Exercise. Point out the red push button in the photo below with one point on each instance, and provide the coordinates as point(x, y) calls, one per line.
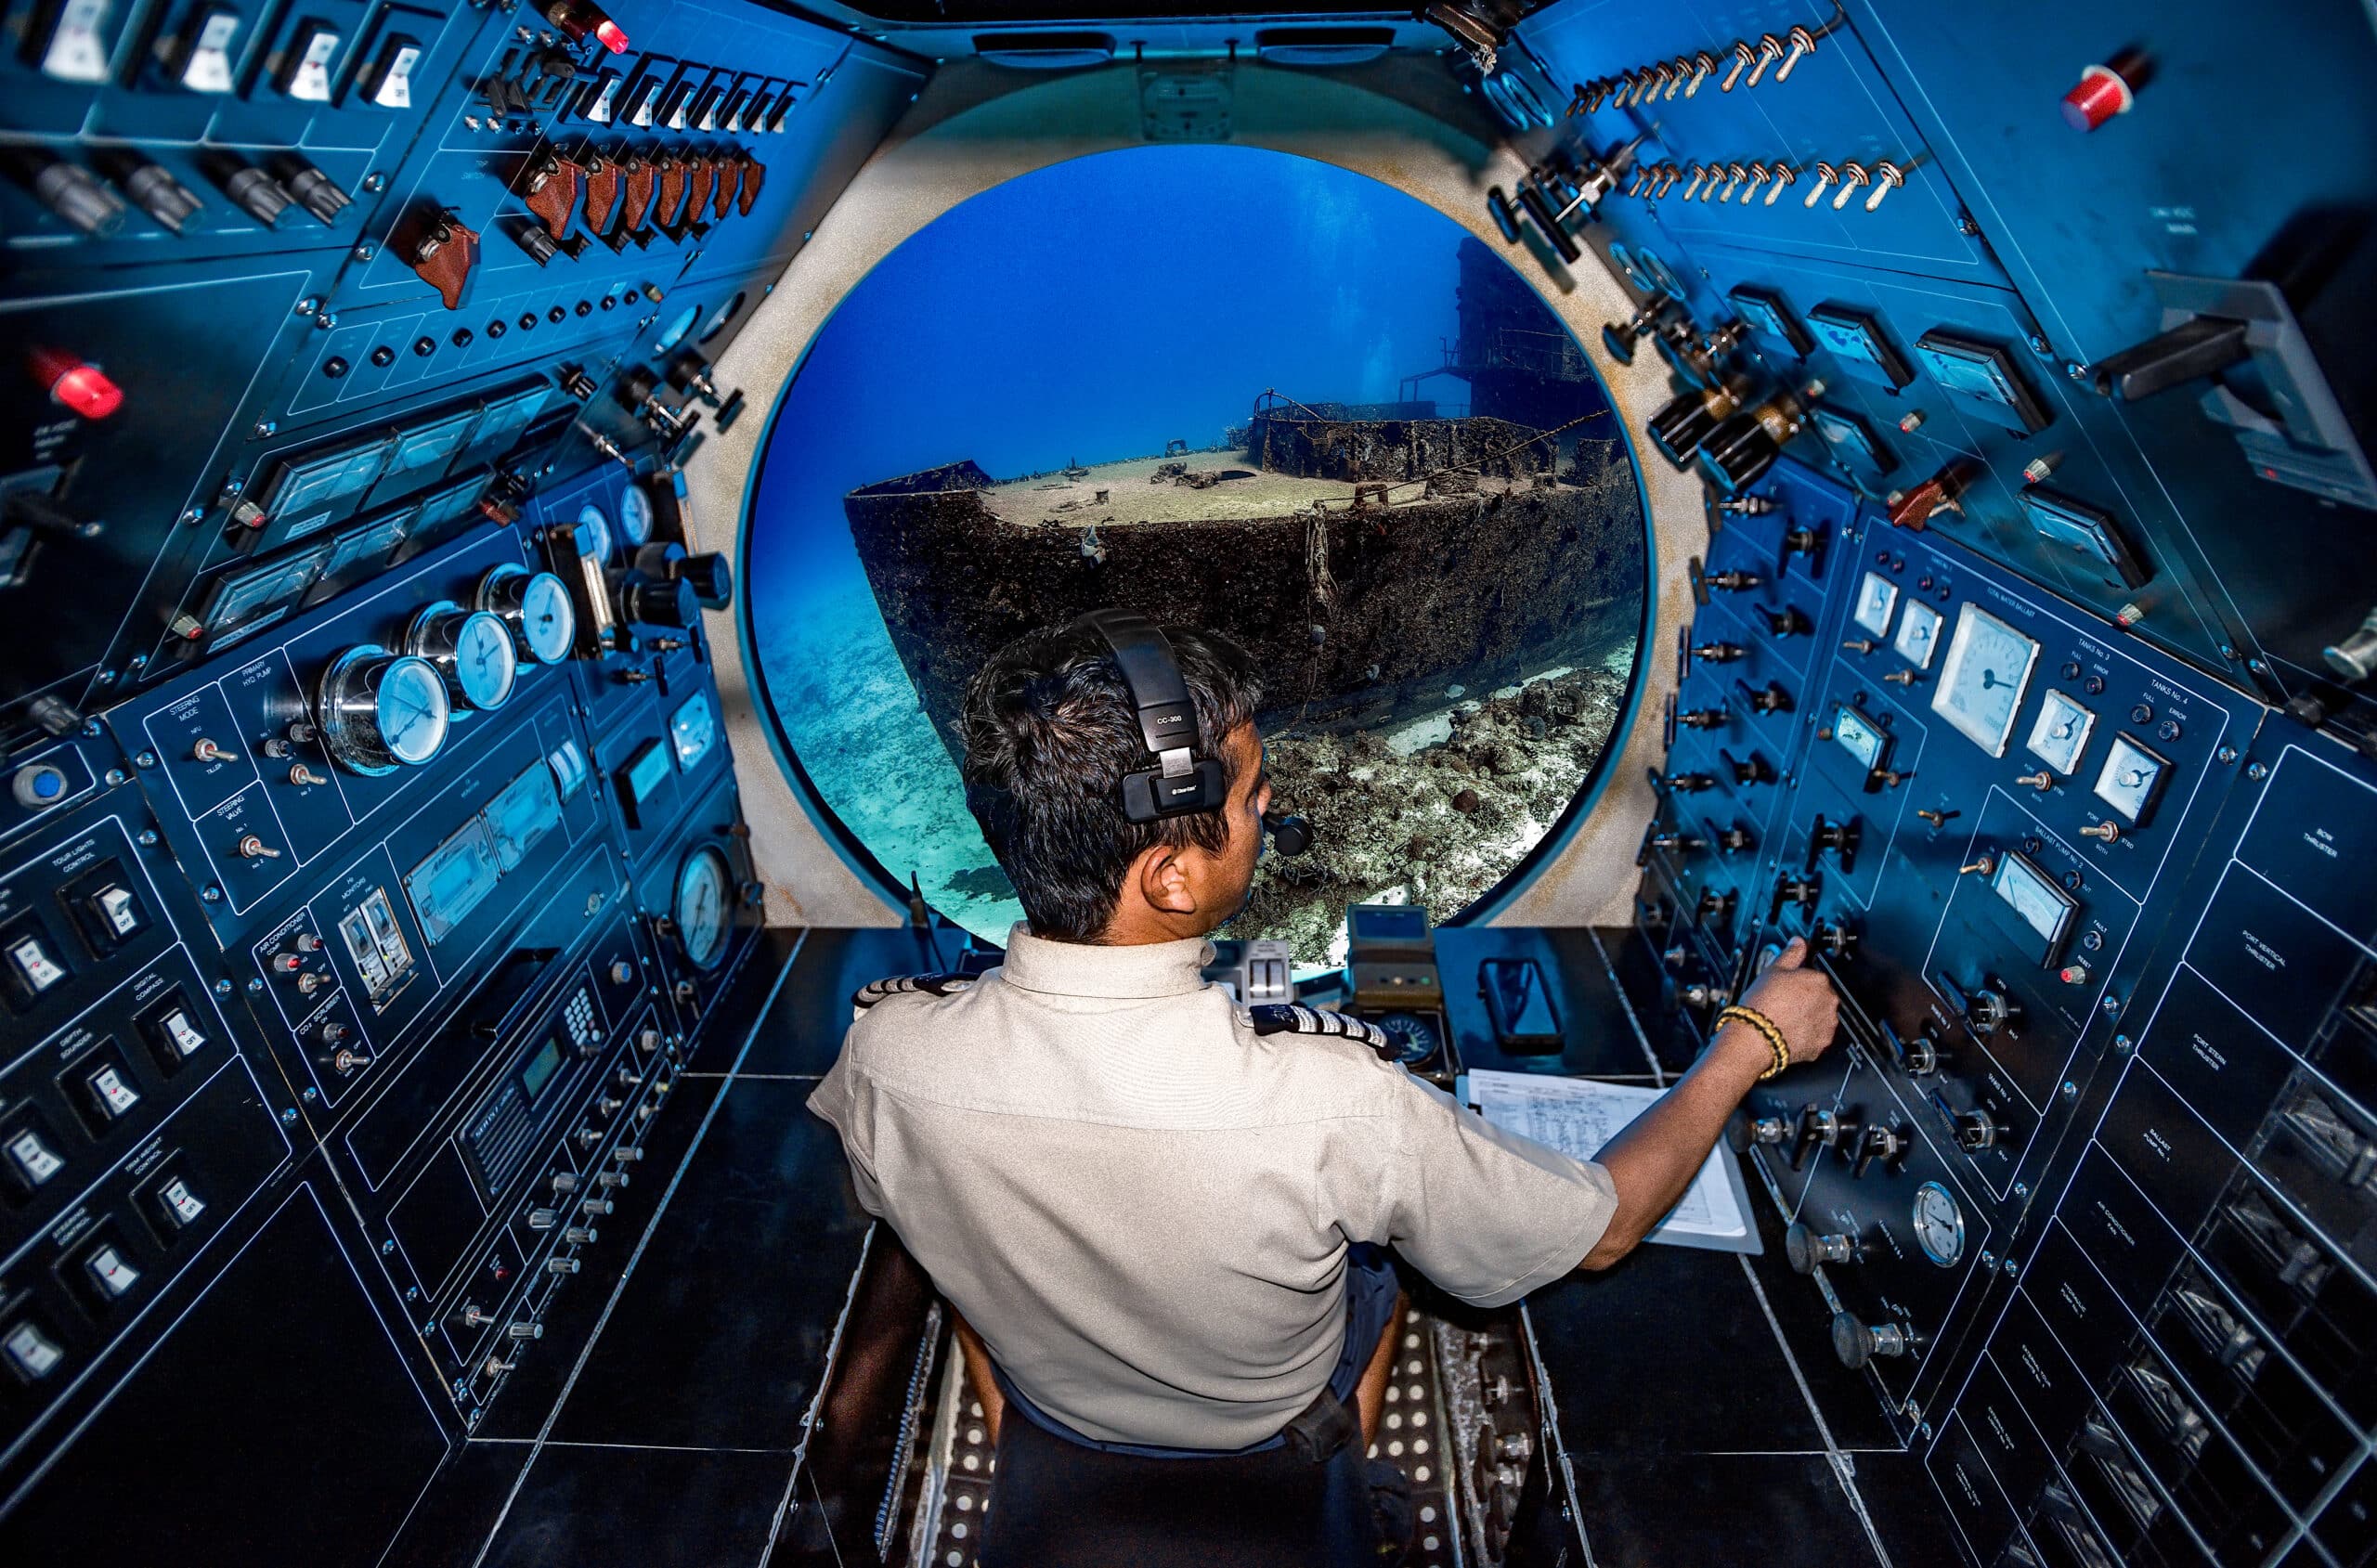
point(71, 382)
point(2104, 91)
point(614, 36)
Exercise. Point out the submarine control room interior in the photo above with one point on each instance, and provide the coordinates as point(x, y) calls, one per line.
point(1865, 503)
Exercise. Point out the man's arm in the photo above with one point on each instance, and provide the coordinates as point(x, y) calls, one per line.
point(1654, 1158)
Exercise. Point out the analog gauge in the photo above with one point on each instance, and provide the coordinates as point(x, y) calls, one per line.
point(2036, 902)
point(2061, 733)
point(472, 649)
point(381, 710)
point(1918, 634)
point(2131, 780)
point(1938, 1224)
point(1858, 736)
point(1982, 680)
point(1410, 1038)
point(700, 908)
point(1877, 597)
point(635, 516)
point(594, 536)
point(535, 606)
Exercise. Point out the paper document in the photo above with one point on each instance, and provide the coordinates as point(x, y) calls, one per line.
point(1577, 1116)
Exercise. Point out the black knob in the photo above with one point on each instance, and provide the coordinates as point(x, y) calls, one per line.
point(315, 192)
point(650, 601)
point(1885, 1143)
point(1805, 1249)
point(1619, 337)
point(1820, 1127)
point(712, 579)
point(1787, 621)
point(1855, 1343)
point(157, 193)
point(1989, 1011)
point(254, 193)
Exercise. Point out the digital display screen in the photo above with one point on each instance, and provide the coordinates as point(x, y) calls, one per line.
point(1981, 683)
point(541, 1069)
point(2043, 907)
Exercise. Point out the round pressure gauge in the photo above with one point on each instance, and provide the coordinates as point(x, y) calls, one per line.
point(535, 606)
point(636, 515)
point(383, 710)
point(591, 518)
point(472, 649)
point(1938, 1224)
point(701, 907)
point(1410, 1038)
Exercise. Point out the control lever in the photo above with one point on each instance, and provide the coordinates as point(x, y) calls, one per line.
point(1802, 893)
point(1834, 939)
point(1805, 1249)
point(1821, 1127)
point(1717, 653)
point(2200, 347)
point(1702, 718)
point(1689, 784)
point(1886, 1142)
point(1714, 905)
point(1839, 839)
point(1788, 621)
point(1754, 772)
point(1745, 1131)
point(1736, 838)
point(1918, 1058)
point(1769, 699)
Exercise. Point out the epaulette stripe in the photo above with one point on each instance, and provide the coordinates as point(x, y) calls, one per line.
point(874, 992)
point(1283, 1017)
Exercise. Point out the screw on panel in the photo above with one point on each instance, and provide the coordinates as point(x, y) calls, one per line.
point(116, 776)
point(211, 893)
point(326, 320)
point(1988, 1262)
point(2041, 347)
point(137, 662)
point(146, 759)
point(2022, 1190)
point(264, 429)
point(2255, 771)
point(311, 1094)
point(2123, 1045)
point(2070, 1090)
point(254, 987)
point(194, 516)
point(388, 1246)
point(413, 1292)
point(375, 183)
point(2226, 755)
point(2074, 370)
point(2112, 1006)
point(221, 988)
point(2010, 1270)
point(307, 305)
point(288, 1116)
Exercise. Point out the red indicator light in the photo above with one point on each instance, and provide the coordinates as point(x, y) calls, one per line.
point(73, 385)
point(614, 36)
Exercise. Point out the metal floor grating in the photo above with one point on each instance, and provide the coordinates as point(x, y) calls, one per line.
point(956, 1493)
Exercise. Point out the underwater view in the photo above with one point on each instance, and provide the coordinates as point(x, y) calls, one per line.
point(1229, 388)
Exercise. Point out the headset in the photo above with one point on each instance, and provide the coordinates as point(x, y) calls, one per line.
point(1181, 781)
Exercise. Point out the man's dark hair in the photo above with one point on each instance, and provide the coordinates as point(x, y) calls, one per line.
point(1050, 732)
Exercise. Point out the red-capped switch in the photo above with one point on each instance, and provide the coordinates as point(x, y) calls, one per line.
point(2104, 91)
point(73, 385)
point(578, 18)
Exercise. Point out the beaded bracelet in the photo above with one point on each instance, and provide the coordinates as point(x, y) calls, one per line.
point(1764, 1026)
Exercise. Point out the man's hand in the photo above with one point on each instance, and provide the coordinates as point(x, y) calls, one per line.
point(1654, 1160)
point(1800, 1000)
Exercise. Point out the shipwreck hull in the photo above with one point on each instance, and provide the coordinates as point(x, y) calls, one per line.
point(1357, 614)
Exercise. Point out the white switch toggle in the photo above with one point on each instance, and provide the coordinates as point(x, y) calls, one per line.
point(117, 908)
point(186, 1040)
point(34, 965)
point(113, 1274)
point(391, 79)
point(78, 46)
point(207, 68)
point(114, 1098)
point(310, 80)
point(180, 1206)
point(33, 1352)
point(33, 1159)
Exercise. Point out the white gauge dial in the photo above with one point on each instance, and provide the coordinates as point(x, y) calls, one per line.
point(635, 516)
point(383, 710)
point(1918, 634)
point(591, 520)
point(537, 607)
point(1982, 680)
point(2131, 779)
point(485, 662)
point(2061, 733)
point(701, 907)
point(1938, 1224)
point(1877, 597)
point(472, 649)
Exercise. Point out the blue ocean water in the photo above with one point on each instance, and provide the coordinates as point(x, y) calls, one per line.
point(1091, 311)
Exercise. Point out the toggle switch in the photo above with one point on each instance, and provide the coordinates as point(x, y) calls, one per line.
point(1826, 175)
point(1770, 50)
point(1785, 176)
point(1852, 174)
point(1888, 176)
point(111, 1276)
point(387, 81)
point(1801, 43)
point(77, 47)
point(1743, 57)
point(30, 1160)
point(176, 1207)
point(204, 58)
point(32, 1354)
point(305, 69)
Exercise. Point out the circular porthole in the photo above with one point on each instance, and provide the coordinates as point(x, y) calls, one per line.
point(1320, 419)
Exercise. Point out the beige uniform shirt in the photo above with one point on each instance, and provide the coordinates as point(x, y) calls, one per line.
point(1144, 1208)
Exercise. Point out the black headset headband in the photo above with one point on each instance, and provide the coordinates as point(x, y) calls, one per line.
point(1181, 781)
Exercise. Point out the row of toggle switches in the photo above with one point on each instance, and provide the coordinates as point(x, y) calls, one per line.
point(1719, 182)
point(1747, 64)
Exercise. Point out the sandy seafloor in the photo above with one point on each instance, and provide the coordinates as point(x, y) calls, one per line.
point(1435, 812)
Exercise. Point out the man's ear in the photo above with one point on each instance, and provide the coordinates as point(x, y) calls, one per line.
point(1163, 881)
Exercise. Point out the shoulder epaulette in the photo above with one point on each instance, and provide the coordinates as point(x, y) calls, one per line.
point(874, 992)
point(1286, 1018)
